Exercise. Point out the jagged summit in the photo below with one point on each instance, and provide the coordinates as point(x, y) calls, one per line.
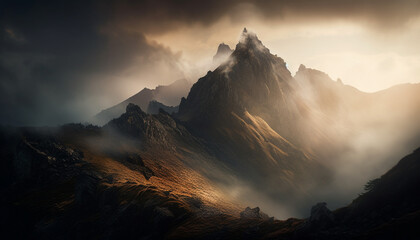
point(223, 49)
point(252, 78)
point(133, 108)
point(302, 68)
point(250, 41)
point(223, 52)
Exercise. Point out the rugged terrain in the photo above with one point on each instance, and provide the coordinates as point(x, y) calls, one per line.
point(248, 134)
point(55, 187)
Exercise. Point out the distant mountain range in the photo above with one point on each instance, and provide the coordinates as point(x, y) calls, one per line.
point(167, 96)
point(162, 97)
point(247, 133)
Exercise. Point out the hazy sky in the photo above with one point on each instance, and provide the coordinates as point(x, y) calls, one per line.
point(62, 62)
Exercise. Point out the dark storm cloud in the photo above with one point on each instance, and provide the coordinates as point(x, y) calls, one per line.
point(163, 15)
point(49, 53)
point(378, 13)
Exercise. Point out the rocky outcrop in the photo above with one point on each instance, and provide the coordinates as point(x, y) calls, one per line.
point(321, 215)
point(152, 130)
point(254, 213)
point(135, 122)
point(43, 159)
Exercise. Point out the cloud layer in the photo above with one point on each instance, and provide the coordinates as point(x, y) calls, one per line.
point(152, 16)
point(56, 64)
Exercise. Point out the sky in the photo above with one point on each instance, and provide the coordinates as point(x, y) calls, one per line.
point(65, 61)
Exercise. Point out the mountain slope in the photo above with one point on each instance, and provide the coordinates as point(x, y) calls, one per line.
point(392, 195)
point(248, 110)
point(138, 170)
point(62, 185)
point(389, 209)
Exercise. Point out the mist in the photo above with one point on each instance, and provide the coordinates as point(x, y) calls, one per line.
point(66, 62)
point(368, 132)
point(366, 135)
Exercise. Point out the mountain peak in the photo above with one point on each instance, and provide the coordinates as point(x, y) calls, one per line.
point(250, 41)
point(133, 108)
point(223, 48)
point(252, 77)
point(223, 52)
point(301, 68)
